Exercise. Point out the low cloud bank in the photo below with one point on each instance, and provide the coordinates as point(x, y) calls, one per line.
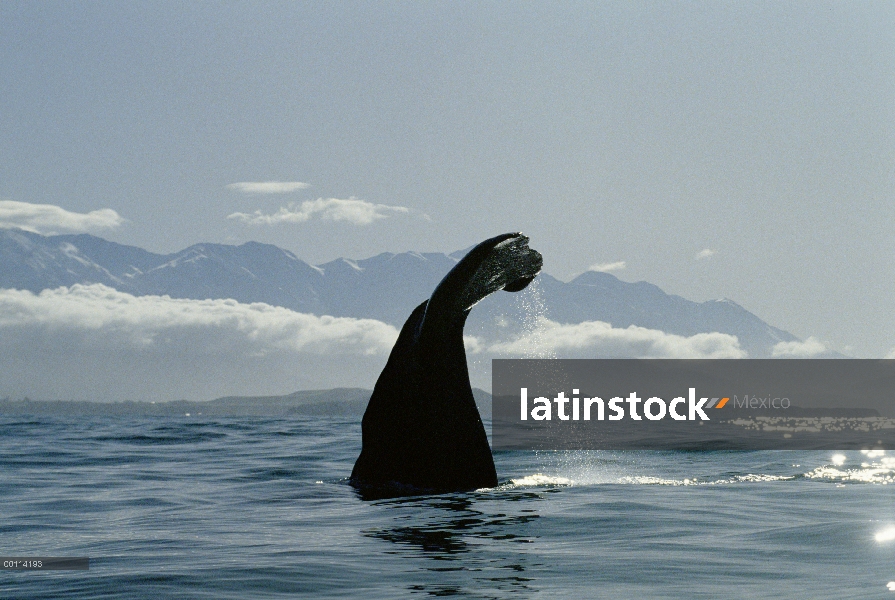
point(96, 343)
point(103, 313)
point(798, 349)
point(596, 339)
point(92, 342)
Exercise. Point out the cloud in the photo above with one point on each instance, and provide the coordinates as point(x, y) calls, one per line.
point(810, 347)
point(268, 187)
point(474, 344)
point(608, 267)
point(598, 339)
point(352, 210)
point(703, 254)
point(97, 314)
point(49, 218)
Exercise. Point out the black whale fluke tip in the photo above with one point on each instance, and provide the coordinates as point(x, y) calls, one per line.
point(522, 260)
point(518, 285)
point(422, 432)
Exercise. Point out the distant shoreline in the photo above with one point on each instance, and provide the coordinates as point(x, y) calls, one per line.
point(337, 402)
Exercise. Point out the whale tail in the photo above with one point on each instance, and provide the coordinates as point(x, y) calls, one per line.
point(422, 431)
point(504, 262)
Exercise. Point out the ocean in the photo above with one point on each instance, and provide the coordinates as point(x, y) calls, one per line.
point(193, 507)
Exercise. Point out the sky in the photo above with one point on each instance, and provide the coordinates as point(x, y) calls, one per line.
point(741, 150)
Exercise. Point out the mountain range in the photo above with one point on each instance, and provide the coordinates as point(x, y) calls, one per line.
point(385, 287)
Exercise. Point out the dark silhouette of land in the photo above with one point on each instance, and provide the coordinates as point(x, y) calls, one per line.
point(338, 402)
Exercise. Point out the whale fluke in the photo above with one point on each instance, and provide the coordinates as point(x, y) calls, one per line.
point(422, 432)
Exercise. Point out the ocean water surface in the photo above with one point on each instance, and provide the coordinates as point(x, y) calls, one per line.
point(259, 508)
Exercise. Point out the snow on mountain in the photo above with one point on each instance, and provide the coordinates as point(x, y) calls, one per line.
point(385, 287)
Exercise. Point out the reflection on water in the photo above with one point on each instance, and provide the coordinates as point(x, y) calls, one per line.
point(465, 540)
